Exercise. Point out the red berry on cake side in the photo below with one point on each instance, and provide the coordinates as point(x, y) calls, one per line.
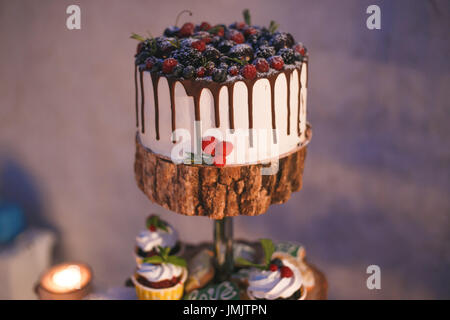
point(168, 65)
point(261, 65)
point(199, 45)
point(200, 72)
point(186, 30)
point(205, 26)
point(237, 37)
point(300, 49)
point(249, 31)
point(233, 71)
point(240, 25)
point(218, 30)
point(286, 272)
point(276, 62)
point(249, 71)
point(209, 145)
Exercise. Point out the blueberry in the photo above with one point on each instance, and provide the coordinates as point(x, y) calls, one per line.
point(171, 31)
point(219, 75)
point(188, 72)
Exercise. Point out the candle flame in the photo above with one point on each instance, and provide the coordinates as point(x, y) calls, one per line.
point(69, 277)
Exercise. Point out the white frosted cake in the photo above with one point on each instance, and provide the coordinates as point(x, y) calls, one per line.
point(244, 85)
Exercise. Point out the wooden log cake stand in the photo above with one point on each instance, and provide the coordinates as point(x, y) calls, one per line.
point(202, 190)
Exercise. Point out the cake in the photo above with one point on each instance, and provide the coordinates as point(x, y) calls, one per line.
point(222, 97)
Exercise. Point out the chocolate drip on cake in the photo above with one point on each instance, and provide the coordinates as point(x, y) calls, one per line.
point(194, 89)
point(141, 80)
point(299, 73)
point(136, 90)
point(155, 81)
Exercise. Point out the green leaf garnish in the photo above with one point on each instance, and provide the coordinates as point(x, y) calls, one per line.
point(137, 37)
point(273, 26)
point(154, 259)
point(177, 261)
point(246, 14)
point(163, 257)
point(241, 62)
point(268, 248)
point(246, 263)
point(175, 43)
point(215, 29)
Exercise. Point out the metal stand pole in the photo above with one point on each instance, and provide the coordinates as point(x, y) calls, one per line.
point(223, 248)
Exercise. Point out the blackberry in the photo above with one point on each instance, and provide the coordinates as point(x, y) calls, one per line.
point(188, 72)
point(265, 52)
point(219, 75)
point(209, 66)
point(171, 31)
point(253, 40)
point(211, 54)
point(216, 40)
point(225, 46)
point(242, 52)
point(287, 55)
point(298, 56)
point(164, 47)
point(186, 42)
point(188, 57)
point(282, 40)
point(178, 71)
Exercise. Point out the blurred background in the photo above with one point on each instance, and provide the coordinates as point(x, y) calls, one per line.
point(377, 177)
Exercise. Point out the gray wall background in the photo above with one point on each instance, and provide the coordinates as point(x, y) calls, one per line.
point(376, 185)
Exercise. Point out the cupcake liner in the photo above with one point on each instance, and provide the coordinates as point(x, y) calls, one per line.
point(302, 297)
point(172, 293)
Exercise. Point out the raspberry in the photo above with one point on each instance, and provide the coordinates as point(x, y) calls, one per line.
point(249, 71)
point(209, 145)
point(240, 25)
point(249, 31)
point(186, 30)
point(286, 272)
point(300, 49)
point(224, 148)
point(276, 62)
point(152, 228)
point(168, 65)
point(233, 70)
point(273, 267)
point(200, 72)
point(261, 65)
point(236, 36)
point(205, 26)
point(219, 30)
point(199, 45)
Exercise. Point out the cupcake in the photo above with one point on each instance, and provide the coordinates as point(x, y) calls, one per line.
point(158, 234)
point(276, 279)
point(160, 277)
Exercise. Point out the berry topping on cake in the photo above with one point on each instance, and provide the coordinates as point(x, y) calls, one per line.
point(186, 30)
point(200, 72)
point(199, 45)
point(168, 65)
point(205, 26)
point(249, 71)
point(261, 65)
point(286, 272)
point(276, 62)
point(218, 52)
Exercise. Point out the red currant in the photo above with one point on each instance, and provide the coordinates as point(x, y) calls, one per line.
point(286, 272)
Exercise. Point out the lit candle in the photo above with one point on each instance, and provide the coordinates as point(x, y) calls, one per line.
point(67, 281)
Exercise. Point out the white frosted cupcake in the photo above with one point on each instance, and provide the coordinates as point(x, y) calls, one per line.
point(158, 234)
point(283, 281)
point(160, 277)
